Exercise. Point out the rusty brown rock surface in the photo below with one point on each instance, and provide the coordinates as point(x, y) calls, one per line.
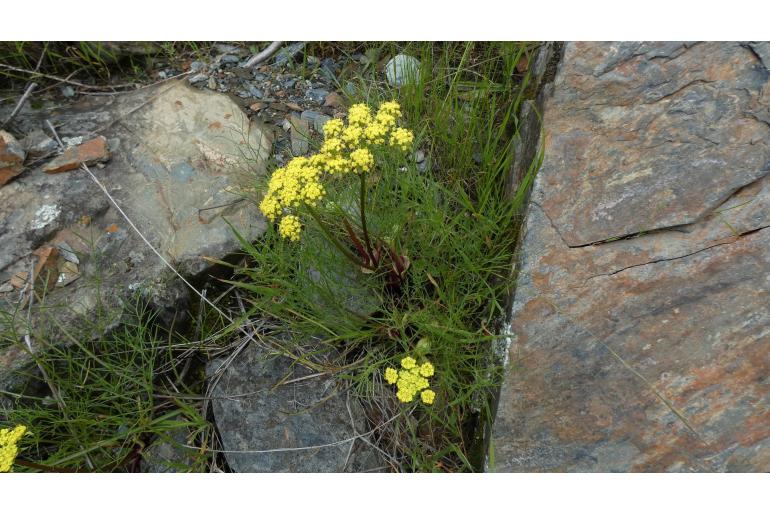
point(11, 157)
point(90, 152)
point(650, 352)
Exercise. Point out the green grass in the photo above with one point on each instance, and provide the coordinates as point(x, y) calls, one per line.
point(109, 399)
point(458, 227)
point(90, 62)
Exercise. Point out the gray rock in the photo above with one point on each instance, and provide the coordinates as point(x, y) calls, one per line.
point(198, 77)
point(300, 132)
point(167, 454)
point(328, 70)
point(640, 136)
point(229, 59)
point(762, 50)
point(68, 91)
point(254, 413)
point(287, 54)
point(212, 83)
point(317, 95)
point(224, 48)
point(402, 69)
point(197, 66)
point(179, 156)
point(317, 119)
point(255, 92)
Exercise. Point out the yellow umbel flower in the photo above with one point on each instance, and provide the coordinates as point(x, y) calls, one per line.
point(333, 128)
point(290, 227)
point(391, 376)
point(411, 380)
point(359, 114)
point(8, 448)
point(375, 133)
point(362, 160)
point(405, 395)
point(346, 148)
point(401, 138)
point(426, 369)
point(391, 108)
point(351, 136)
point(270, 207)
point(332, 146)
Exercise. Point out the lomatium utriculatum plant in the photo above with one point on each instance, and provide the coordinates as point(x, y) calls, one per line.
point(295, 190)
point(294, 193)
point(9, 438)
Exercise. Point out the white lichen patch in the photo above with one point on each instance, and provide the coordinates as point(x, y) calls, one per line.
point(46, 214)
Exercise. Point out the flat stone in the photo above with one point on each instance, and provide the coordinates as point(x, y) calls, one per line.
point(198, 77)
point(317, 119)
point(647, 353)
point(12, 157)
point(317, 95)
point(334, 100)
point(255, 410)
point(90, 152)
point(39, 144)
point(180, 159)
point(300, 130)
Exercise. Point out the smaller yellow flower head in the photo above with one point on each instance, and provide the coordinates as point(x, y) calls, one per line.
point(333, 128)
point(391, 376)
point(359, 114)
point(362, 160)
point(408, 363)
point(426, 369)
point(428, 396)
point(290, 227)
point(401, 138)
point(391, 108)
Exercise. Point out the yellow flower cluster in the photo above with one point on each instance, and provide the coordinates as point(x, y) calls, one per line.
point(8, 448)
point(345, 149)
point(297, 183)
point(411, 380)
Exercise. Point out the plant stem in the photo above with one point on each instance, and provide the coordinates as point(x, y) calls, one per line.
point(335, 242)
point(362, 202)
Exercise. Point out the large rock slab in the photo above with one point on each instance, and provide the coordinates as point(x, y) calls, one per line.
point(179, 160)
point(644, 136)
point(272, 417)
point(651, 352)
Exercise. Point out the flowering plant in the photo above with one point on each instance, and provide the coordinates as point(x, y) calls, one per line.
point(348, 149)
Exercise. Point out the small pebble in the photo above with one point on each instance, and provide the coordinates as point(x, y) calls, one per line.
point(198, 78)
point(255, 92)
point(317, 95)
